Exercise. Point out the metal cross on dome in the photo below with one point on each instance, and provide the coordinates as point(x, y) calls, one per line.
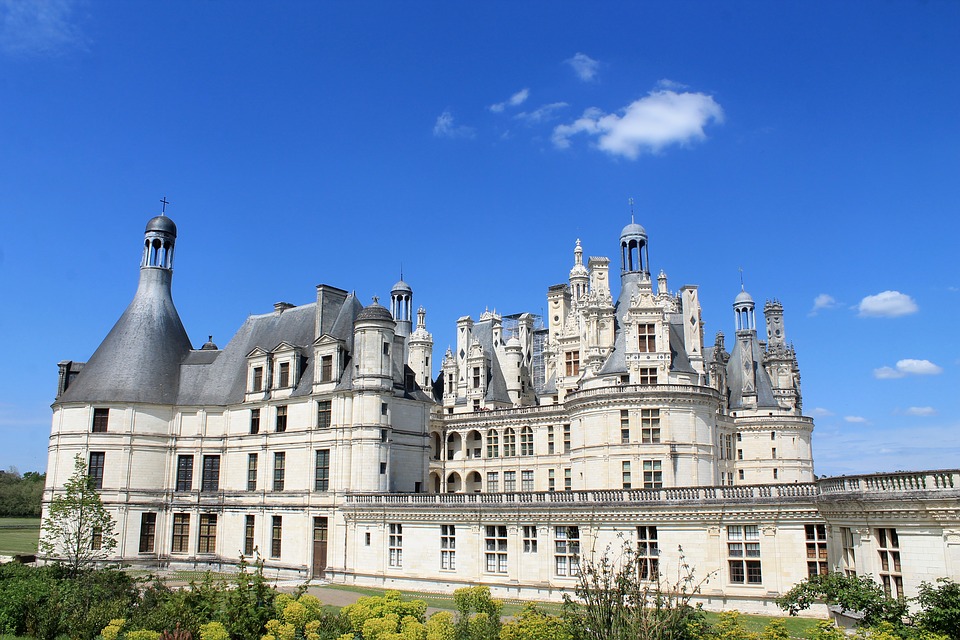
point(164, 202)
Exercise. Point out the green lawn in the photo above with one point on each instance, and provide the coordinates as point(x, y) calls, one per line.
point(19, 535)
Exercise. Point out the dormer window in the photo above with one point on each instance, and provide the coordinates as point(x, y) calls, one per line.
point(284, 374)
point(257, 379)
point(326, 368)
point(572, 361)
point(647, 342)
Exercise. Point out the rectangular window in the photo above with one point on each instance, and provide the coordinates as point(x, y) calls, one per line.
point(816, 549)
point(396, 545)
point(566, 551)
point(650, 426)
point(386, 348)
point(210, 478)
point(648, 553)
point(526, 480)
point(773, 452)
point(251, 472)
point(181, 533)
point(281, 418)
point(276, 536)
point(566, 438)
point(476, 377)
point(526, 441)
point(509, 442)
point(529, 539)
point(284, 374)
point(101, 416)
point(652, 474)
point(625, 473)
point(624, 426)
point(551, 448)
point(891, 575)
point(568, 480)
point(249, 529)
point(96, 538)
point(148, 532)
point(509, 481)
point(648, 375)
point(322, 471)
point(448, 547)
point(743, 551)
point(495, 544)
point(279, 470)
point(184, 473)
point(493, 444)
point(572, 359)
point(326, 368)
point(739, 454)
point(324, 411)
point(776, 474)
point(254, 420)
point(95, 469)
point(257, 379)
point(740, 474)
point(207, 538)
point(647, 342)
point(849, 559)
point(493, 484)
point(551, 480)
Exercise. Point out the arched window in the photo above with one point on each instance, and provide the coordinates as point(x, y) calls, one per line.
point(493, 444)
point(509, 442)
point(526, 441)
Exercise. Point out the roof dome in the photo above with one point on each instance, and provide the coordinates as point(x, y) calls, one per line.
point(743, 298)
point(401, 287)
point(162, 224)
point(209, 345)
point(633, 229)
point(514, 343)
point(374, 311)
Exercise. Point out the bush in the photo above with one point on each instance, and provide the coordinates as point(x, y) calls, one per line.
point(851, 593)
point(532, 623)
point(940, 608)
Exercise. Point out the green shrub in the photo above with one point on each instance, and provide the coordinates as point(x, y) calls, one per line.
point(940, 608)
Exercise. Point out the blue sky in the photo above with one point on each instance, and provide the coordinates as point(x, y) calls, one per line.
point(814, 144)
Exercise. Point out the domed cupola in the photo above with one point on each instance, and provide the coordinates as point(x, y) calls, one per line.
point(401, 306)
point(374, 312)
point(743, 308)
point(139, 360)
point(634, 256)
point(579, 275)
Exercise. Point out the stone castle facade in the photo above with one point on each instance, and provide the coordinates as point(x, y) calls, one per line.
point(319, 438)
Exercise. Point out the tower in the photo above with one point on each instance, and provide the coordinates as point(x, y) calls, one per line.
point(401, 307)
point(634, 255)
point(420, 346)
point(579, 276)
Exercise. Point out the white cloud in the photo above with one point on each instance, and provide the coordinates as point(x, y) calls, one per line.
point(855, 419)
point(908, 366)
point(887, 304)
point(921, 411)
point(820, 412)
point(584, 66)
point(541, 114)
point(446, 128)
point(513, 101)
point(666, 83)
point(38, 27)
point(659, 119)
point(823, 301)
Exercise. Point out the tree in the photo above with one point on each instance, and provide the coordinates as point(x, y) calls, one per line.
point(859, 594)
point(940, 608)
point(78, 531)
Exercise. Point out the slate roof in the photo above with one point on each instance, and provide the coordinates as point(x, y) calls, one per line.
point(735, 379)
point(496, 385)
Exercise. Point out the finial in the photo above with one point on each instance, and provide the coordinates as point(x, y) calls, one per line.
point(401, 270)
point(210, 338)
point(376, 300)
point(741, 279)
point(630, 200)
point(164, 203)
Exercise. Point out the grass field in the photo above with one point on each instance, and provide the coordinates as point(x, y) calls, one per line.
point(19, 535)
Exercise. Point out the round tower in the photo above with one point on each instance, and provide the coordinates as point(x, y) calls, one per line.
point(743, 308)
point(634, 256)
point(420, 348)
point(579, 276)
point(401, 307)
point(374, 330)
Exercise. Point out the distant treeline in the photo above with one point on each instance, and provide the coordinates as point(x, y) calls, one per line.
point(20, 495)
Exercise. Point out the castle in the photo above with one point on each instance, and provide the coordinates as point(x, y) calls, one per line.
point(319, 438)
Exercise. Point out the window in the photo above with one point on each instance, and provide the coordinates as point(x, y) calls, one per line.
point(650, 426)
point(249, 528)
point(148, 532)
point(648, 375)
point(396, 545)
point(648, 553)
point(647, 338)
point(849, 559)
point(773, 435)
point(101, 416)
point(210, 478)
point(509, 442)
point(322, 471)
point(493, 444)
point(509, 481)
point(572, 359)
point(476, 377)
point(284, 374)
point(624, 426)
point(816, 549)
point(451, 384)
point(324, 411)
point(550, 445)
point(625, 473)
point(773, 452)
point(383, 468)
point(567, 480)
point(207, 539)
point(184, 473)
point(529, 539)
point(743, 551)
point(495, 545)
point(888, 546)
point(366, 539)
point(739, 437)
point(552, 480)
point(566, 551)
point(476, 405)
point(281, 418)
point(740, 474)
point(181, 533)
point(95, 469)
point(448, 547)
point(276, 536)
point(566, 438)
point(254, 420)
point(383, 408)
point(326, 368)
point(258, 379)
point(526, 441)
point(251, 472)
point(652, 474)
point(493, 482)
point(526, 480)
point(96, 538)
point(776, 474)
point(739, 454)
point(279, 470)
point(386, 348)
